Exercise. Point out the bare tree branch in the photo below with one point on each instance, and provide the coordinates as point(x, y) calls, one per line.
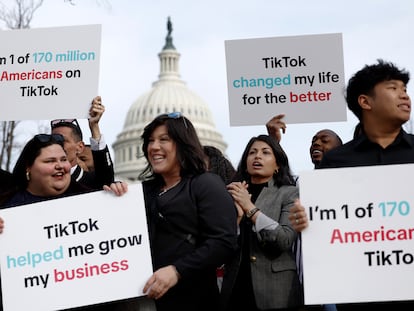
point(17, 17)
point(104, 3)
point(7, 143)
point(20, 15)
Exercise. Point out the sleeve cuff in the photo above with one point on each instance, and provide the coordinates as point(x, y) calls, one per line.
point(97, 144)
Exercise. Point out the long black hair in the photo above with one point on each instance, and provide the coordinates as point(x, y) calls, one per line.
point(282, 177)
point(189, 149)
point(29, 154)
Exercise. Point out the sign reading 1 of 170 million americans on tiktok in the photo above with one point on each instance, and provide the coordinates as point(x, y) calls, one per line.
point(49, 73)
point(299, 76)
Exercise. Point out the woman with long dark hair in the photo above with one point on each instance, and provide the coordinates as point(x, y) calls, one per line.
point(191, 217)
point(263, 276)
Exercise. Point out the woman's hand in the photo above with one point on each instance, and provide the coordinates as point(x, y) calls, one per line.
point(118, 188)
point(241, 196)
point(298, 217)
point(161, 281)
point(240, 212)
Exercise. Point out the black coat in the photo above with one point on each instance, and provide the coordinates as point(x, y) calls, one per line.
point(193, 227)
point(103, 174)
point(22, 197)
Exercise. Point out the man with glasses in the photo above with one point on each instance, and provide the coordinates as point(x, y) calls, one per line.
point(74, 146)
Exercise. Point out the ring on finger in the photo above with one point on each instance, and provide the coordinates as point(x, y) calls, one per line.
point(297, 221)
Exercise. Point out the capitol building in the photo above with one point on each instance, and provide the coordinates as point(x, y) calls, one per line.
point(168, 94)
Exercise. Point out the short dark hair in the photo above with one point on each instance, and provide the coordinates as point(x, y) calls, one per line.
point(71, 123)
point(364, 81)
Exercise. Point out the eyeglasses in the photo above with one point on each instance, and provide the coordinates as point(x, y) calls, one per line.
point(177, 115)
point(58, 122)
point(45, 138)
point(73, 123)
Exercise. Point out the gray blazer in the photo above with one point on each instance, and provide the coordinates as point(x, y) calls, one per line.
point(272, 262)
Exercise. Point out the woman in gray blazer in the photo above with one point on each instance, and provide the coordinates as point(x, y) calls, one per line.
point(263, 276)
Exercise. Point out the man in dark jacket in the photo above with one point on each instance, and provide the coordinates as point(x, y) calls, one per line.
point(74, 145)
point(377, 95)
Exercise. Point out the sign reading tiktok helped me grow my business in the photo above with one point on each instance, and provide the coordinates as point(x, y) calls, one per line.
point(75, 251)
point(300, 76)
point(49, 73)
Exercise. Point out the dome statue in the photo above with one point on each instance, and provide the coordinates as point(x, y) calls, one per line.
point(168, 94)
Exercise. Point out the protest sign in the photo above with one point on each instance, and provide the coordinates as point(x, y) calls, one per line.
point(74, 251)
point(359, 243)
point(49, 73)
point(300, 76)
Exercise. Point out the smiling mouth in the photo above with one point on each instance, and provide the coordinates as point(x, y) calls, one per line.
point(316, 152)
point(59, 175)
point(157, 158)
point(405, 106)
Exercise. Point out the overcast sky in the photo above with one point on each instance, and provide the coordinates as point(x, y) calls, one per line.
point(133, 33)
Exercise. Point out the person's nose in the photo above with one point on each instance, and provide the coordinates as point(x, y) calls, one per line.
point(154, 145)
point(316, 143)
point(405, 95)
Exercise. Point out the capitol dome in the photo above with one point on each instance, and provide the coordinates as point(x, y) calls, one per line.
point(168, 94)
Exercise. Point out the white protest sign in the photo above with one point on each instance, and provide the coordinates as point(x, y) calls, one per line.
point(49, 73)
point(74, 251)
point(300, 76)
point(359, 244)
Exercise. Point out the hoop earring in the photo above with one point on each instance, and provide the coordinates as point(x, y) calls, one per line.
point(27, 175)
point(276, 171)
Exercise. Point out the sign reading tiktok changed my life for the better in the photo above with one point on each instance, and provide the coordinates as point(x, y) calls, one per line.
point(359, 243)
point(74, 251)
point(300, 76)
point(48, 73)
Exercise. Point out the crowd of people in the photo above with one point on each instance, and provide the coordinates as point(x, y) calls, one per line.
point(221, 238)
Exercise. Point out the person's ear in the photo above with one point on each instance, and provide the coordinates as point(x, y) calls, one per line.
point(364, 102)
point(80, 147)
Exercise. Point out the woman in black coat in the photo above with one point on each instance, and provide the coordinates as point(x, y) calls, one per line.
point(191, 217)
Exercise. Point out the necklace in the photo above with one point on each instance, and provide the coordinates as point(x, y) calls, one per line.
point(168, 188)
